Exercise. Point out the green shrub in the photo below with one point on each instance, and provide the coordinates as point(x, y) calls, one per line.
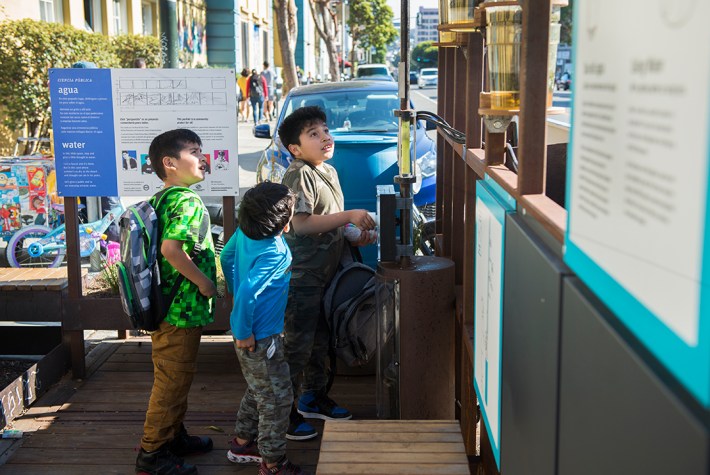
point(28, 48)
point(130, 47)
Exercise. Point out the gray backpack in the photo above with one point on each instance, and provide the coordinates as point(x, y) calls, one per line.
point(139, 280)
point(351, 311)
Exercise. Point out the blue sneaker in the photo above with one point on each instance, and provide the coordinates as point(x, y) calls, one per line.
point(298, 428)
point(319, 406)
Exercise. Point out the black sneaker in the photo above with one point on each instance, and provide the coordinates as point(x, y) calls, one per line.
point(162, 462)
point(184, 444)
point(298, 428)
point(284, 467)
point(319, 406)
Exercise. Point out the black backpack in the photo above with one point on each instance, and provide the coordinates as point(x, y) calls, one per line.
point(256, 88)
point(350, 307)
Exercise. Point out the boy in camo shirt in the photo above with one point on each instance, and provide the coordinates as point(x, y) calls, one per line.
point(177, 159)
point(316, 242)
point(257, 267)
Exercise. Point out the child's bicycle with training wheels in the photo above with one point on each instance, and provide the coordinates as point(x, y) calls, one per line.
point(40, 246)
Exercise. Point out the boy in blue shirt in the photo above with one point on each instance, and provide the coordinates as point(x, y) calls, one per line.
point(257, 267)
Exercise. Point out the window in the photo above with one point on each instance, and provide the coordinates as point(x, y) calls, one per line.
point(245, 44)
point(265, 51)
point(120, 17)
point(93, 17)
point(51, 11)
point(147, 12)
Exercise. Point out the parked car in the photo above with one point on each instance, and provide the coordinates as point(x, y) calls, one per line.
point(564, 82)
point(365, 131)
point(428, 77)
point(379, 72)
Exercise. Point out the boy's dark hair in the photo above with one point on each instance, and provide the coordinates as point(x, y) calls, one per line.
point(170, 144)
point(265, 210)
point(266, 64)
point(297, 121)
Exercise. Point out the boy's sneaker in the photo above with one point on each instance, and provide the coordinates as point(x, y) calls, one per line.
point(247, 453)
point(184, 444)
point(319, 406)
point(298, 428)
point(284, 467)
point(162, 462)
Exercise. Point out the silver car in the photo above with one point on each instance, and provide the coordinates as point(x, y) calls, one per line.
point(428, 77)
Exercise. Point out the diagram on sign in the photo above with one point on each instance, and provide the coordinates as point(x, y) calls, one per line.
point(172, 94)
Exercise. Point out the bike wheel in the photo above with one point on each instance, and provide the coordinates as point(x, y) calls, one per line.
point(16, 250)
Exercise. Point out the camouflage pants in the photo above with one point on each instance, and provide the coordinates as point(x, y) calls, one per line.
point(263, 412)
point(307, 338)
point(174, 364)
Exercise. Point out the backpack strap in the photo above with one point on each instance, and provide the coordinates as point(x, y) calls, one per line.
point(201, 235)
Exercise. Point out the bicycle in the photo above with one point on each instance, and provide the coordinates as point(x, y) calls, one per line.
point(40, 246)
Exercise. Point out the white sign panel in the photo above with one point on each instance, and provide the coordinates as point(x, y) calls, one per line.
point(148, 102)
point(638, 179)
point(488, 307)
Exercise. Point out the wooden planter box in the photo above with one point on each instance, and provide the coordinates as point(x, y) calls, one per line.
point(28, 387)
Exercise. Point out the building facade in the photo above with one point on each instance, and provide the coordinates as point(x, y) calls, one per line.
point(427, 21)
point(109, 17)
point(241, 33)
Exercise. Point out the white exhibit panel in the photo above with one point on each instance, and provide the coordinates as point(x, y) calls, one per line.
point(638, 174)
point(492, 205)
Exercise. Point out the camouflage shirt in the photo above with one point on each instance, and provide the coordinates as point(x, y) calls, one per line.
point(180, 216)
point(315, 256)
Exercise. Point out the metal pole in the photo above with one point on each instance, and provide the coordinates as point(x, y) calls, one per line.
point(404, 179)
point(169, 33)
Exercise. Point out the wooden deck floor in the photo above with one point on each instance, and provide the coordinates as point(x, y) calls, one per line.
point(94, 426)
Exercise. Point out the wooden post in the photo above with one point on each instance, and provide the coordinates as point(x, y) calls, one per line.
point(74, 338)
point(533, 96)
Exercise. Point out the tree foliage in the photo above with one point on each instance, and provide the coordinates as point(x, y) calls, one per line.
point(425, 55)
point(370, 25)
point(29, 48)
point(566, 24)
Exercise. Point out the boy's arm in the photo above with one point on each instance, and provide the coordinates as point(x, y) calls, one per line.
point(173, 252)
point(304, 223)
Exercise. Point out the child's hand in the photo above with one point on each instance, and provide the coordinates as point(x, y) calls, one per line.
point(249, 343)
point(362, 219)
point(208, 289)
point(366, 238)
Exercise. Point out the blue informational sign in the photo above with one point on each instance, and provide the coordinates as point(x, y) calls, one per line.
point(82, 121)
point(104, 121)
point(492, 205)
point(638, 205)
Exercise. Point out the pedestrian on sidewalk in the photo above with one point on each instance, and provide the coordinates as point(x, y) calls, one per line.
point(257, 91)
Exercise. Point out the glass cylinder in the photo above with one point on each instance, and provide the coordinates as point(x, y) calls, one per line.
point(504, 32)
point(444, 14)
point(461, 11)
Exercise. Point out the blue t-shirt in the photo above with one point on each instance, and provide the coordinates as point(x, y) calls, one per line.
point(258, 273)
